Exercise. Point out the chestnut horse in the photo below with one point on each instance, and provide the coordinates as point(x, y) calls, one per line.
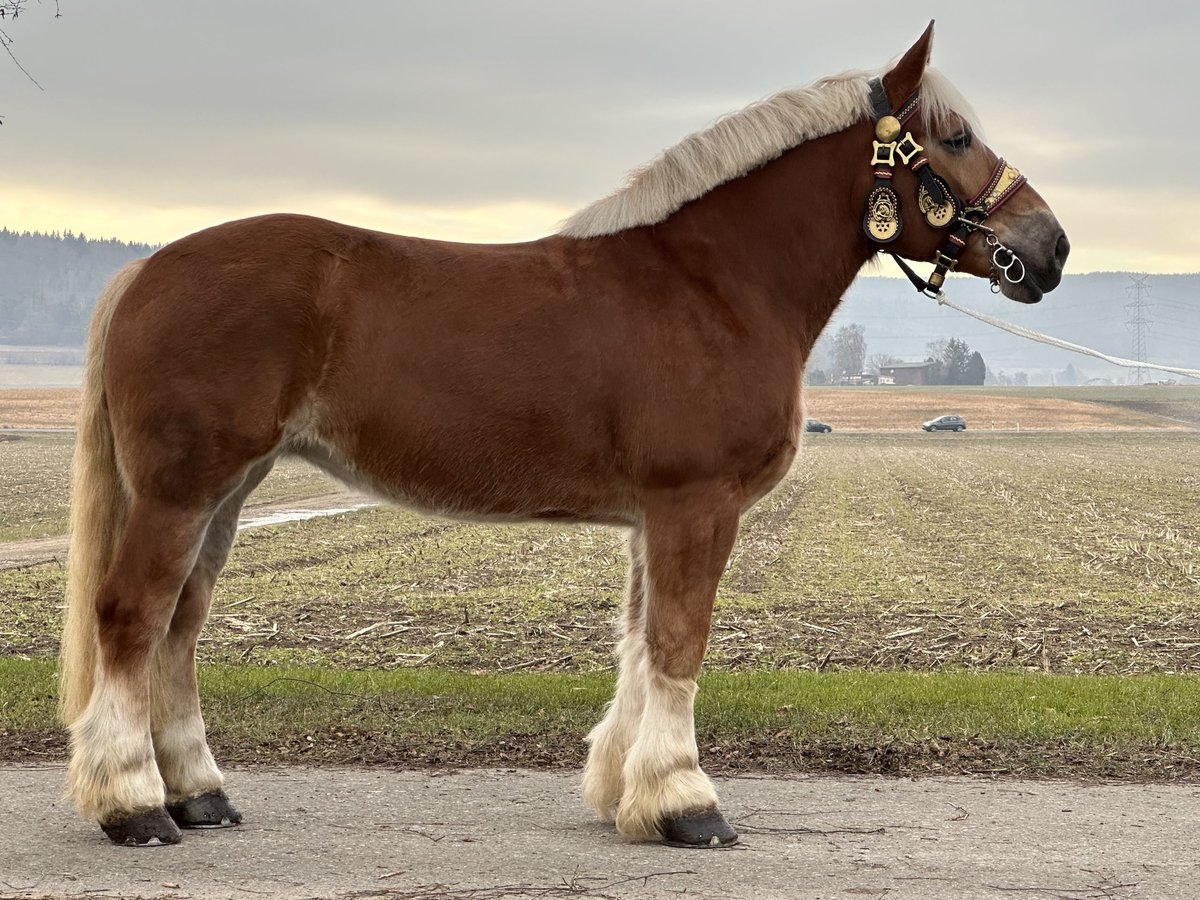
point(640, 368)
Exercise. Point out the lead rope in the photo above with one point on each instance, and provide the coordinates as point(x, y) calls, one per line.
point(1064, 345)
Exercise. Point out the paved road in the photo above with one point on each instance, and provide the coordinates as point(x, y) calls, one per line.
point(488, 835)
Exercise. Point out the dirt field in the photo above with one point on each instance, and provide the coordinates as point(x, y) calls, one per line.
point(35, 485)
point(855, 409)
point(38, 408)
point(904, 409)
point(1049, 551)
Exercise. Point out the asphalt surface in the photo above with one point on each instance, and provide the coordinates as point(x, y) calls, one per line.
point(487, 835)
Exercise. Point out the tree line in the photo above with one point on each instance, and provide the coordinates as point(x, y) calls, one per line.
point(49, 283)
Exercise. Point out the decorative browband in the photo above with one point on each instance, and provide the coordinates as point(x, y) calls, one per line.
point(1005, 182)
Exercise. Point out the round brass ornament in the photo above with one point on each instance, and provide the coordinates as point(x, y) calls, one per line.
point(937, 215)
point(887, 129)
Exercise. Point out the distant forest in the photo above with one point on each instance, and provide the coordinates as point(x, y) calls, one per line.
point(49, 282)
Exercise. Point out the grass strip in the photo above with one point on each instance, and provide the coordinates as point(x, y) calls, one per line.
point(1134, 726)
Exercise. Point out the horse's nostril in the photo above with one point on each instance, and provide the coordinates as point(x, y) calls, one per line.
point(1061, 250)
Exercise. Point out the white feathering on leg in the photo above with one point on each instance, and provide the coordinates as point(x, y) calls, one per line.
point(603, 776)
point(113, 773)
point(662, 769)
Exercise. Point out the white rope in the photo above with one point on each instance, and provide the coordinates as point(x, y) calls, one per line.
point(1065, 345)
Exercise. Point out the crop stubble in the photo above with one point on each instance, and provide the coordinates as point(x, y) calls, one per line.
point(1055, 552)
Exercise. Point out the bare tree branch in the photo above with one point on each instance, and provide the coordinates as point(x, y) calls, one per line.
point(10, 11)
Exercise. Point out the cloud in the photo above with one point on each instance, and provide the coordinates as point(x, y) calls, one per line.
point(179, 109)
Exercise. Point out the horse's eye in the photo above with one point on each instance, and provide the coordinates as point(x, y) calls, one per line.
point(960, 143)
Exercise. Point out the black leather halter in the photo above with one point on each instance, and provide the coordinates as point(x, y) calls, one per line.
point(940, 206)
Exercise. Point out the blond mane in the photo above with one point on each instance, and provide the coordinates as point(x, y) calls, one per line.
point(742, 141)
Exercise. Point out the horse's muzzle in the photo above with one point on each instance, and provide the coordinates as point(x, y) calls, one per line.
point(1043, 259)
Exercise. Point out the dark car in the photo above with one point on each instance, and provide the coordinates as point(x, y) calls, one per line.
point(945, 423)
point(818, 426)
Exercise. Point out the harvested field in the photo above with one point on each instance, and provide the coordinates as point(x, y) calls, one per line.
point(1005, 409)
point(1152, 407)
point(35, 485)
point(1068, 553)
point(38, 408)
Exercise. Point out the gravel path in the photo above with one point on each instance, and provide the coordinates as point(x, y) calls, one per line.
point(487, 835)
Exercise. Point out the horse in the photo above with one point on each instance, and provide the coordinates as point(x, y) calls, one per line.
point(639, 368)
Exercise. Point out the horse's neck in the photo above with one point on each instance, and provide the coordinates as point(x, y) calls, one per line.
point(787, 235)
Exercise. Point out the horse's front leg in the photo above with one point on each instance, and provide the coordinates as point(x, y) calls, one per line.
point(688, 536)
point(603, 776)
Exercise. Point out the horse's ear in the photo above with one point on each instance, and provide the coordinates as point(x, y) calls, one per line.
point(905, 77)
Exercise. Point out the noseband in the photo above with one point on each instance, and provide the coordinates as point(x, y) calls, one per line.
point(940, 206)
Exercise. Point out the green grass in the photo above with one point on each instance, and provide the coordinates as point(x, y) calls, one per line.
point(1028, 722)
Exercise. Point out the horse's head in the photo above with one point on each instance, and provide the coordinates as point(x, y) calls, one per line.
point(989, 222)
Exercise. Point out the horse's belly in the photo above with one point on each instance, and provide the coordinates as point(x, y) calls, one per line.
point(472, 481)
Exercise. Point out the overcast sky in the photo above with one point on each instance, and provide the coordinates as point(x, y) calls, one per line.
point(493, 121)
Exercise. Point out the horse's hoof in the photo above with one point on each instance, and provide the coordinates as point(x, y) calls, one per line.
point(153, 828)
point(700, 830)
point(206, 811)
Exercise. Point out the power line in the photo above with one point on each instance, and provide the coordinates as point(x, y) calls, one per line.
point(1066, 345)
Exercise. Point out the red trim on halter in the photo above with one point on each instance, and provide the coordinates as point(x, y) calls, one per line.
point(909, 108)
point(990, 184)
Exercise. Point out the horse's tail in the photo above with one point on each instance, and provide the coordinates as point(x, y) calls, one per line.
point(99, 504)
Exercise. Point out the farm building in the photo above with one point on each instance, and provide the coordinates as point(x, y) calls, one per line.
point(905, 373)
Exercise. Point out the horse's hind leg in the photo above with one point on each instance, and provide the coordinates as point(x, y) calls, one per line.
point(113, 775)
point(603, 779)
point(688, 536)
point(195, 797)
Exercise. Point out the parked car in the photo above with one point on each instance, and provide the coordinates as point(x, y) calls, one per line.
point(817, 425)
point(945, 423)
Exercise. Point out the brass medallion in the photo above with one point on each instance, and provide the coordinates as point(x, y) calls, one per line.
point(882, 221)
point(887, 129)
point(939, 215)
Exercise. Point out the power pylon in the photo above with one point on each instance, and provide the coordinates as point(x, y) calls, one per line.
point(1140, 323)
